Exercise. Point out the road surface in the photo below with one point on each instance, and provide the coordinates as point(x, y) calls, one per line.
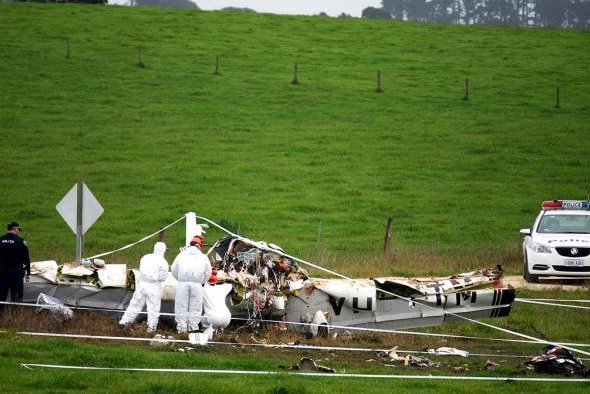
point(564, 284)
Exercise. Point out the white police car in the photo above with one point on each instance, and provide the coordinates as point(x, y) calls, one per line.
point(558, 244)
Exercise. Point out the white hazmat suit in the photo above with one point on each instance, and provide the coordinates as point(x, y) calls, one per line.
point(153, 269)
point(216, 313)
point(192, 269)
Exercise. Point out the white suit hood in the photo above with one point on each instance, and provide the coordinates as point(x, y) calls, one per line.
point(159, 248)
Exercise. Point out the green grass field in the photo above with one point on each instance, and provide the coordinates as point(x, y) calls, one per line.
point(317, 167)
point(252, 361)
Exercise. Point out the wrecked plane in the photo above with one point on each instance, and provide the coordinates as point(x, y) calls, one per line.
point(257, 281)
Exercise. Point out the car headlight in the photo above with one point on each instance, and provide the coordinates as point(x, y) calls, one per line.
point(539, 248)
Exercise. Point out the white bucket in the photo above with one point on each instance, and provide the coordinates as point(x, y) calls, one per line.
point(278, 303)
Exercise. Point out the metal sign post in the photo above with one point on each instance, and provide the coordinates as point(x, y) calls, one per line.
point(80, 209)
point(79, 221)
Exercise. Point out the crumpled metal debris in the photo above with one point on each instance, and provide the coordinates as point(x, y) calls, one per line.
point(491, 365)
point(409, 359)
point(261, 274)
point(557, 360)
point(307, 364)
point(461, 368)
point(55, 306)
point(421, 361)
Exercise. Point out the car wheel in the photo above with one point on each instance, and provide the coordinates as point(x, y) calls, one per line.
point(526, 274)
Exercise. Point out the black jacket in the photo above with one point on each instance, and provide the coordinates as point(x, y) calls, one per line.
point(14, 254)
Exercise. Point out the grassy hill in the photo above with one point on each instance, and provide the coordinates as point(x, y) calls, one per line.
point(316, 167)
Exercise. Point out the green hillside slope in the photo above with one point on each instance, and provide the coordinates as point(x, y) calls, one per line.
point(316, 167)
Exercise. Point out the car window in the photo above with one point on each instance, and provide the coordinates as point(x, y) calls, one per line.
point(569, 224)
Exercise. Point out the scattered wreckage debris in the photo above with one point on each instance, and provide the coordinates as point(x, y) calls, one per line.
point(557, 360)
point(307, 364)
point(488, 366)
point(491, 365)
point(410, 360)
point(257, 281)
point(448, 351)
point(162, 340)
point(58, 310)
point(420, 361)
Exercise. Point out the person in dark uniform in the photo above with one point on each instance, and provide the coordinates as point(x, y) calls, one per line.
point(14, 264)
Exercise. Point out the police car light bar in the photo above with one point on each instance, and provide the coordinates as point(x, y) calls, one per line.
point(565, 204)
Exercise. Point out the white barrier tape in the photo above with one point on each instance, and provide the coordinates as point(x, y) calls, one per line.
point(267, 345)
point(553, 300)
point(405, 332)
point(462, 337)
point(135, 243)
point(525, 336)
point(551, 303)
point(332, 327)
point(79, 336)
point(275, 250)
point(317, 374)
point(280, 345)
point(76, 308)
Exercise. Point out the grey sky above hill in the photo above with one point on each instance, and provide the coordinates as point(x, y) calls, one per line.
point(294, 7)
point(531, 13)
point(288, 7)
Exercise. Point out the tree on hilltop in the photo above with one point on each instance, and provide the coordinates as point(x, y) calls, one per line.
point(530, 13)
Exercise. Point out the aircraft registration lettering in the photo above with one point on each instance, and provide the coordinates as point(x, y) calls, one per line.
point(337, 305)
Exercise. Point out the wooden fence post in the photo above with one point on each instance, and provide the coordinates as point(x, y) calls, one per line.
point(387, 236)
point(216, 72)
point(379, 88)
point(295, 81)
point(140, 63)
point(466, 97)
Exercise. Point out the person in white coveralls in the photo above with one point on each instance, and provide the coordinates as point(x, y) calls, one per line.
point(192, 269)
point(153, 269)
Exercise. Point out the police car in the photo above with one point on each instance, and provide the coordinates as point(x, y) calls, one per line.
point(558, 244)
